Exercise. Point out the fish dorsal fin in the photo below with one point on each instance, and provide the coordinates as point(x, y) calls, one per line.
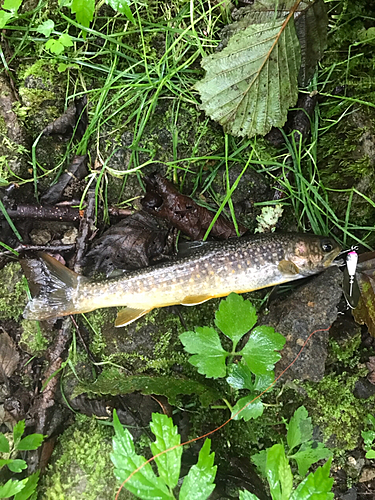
point(193, 300)
point(288, 267)
point(128, 315)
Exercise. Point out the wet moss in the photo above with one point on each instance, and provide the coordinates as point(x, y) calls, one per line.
point(81, 468)
point(32, 339)
point(13, 296)
point(334, 408)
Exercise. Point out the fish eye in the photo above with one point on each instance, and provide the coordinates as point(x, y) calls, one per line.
point(326, 246)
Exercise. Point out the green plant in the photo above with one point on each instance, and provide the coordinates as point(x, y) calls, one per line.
point(274, 464)
point(22, 489)
point(9, 11)
point(254, 370)
point(145, 484)
point(369, 437)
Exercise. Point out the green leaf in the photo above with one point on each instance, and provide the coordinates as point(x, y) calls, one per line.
point(240, 376)
point(144, 484)
point(246, 495)
point(259, 352)
point(263, 382)
point(300, 428)
point(4, 18)
point(31, 442)
point(278, 473)
point(4, 444)
point(253, 410)
point(46, 28)
point(66, 40)
point(368, 437)
point(307, 455)
point(84, 11)
point(18, 430)
point(12, 5)
point(113, 381)
point(235, 317)
point(17, 465)
point(316, 486)
point(30, 487)
point(198, 484)
point(167, 436)
point(260, 461)
point(55, 46)
point(250, 85)
point(370, 454)
point(122, 6)
point(209, 355)
point(11, 488)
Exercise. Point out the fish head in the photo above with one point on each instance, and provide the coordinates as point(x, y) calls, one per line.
point(312, 254)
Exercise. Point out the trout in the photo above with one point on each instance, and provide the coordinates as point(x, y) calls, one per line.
point(214, 269)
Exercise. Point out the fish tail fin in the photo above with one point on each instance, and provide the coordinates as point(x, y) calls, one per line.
point(52, 286)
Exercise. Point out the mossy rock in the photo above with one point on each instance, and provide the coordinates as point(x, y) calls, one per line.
point(13, 296)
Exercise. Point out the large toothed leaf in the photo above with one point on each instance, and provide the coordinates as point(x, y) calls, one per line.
point(167, 436)
point(250, 85)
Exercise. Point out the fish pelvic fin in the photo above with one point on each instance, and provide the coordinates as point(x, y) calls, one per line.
point(52, 287)
point(128, 315)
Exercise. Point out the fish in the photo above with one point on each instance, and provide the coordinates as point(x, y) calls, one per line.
point(213, 269)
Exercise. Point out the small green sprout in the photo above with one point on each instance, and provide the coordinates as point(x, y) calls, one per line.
point(9, 448)
point(369, 437)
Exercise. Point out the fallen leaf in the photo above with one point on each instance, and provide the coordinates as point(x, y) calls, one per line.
point(364, 313)
point(9, 356)
point(163, 200)
point(74, 120)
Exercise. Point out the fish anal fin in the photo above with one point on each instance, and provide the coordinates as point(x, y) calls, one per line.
point(128, 315)
point(288, 267)
point(193, 300)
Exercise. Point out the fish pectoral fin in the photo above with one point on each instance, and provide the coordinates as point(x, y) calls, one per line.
point(128, 315)
point(193, 300)
point(288, 267)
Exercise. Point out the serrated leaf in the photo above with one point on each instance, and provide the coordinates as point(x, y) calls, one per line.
point(316, 486)
point(209, 356)
point(112, 381)
point(31, 442)
point(145, 484)
point(311, 26)
point(278, 473)
point(4, 444)
point(122, 6)
point(307, 455)
point(18, 430)
point(253, 410)
point(300, 428)
point(246, 495)
point(250, 85)
point(17, 465)
point(260, 351)
point(235, 317)
point(240, 376)
point(46, 28)
point(370, 454)
point(10, 488)
point(12, 5)
point(84, 11)
point(167, 436)
point(4, 18)
point(30, 487)
point(198, 484)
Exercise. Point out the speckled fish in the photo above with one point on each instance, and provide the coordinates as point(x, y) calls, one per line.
point(213, 269)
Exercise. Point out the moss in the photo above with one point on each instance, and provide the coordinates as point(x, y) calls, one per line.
point(334, 408)
point(32, 339)
point(81, 468)
point(13, 296)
